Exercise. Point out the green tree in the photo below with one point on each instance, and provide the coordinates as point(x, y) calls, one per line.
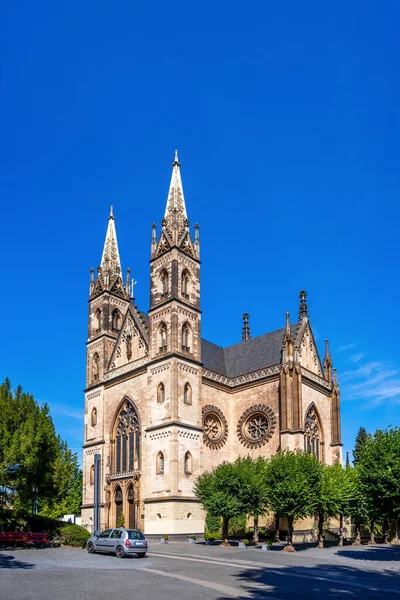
point(335, 496)
point(213, 523)
point(67, 484)
point(379, 477)
point(294, 486)
point(362, 440)
point(219, 492)
point(121, 520)
point(253, 488)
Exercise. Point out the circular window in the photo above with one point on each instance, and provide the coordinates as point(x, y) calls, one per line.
point(215, 427)
point(256, 426)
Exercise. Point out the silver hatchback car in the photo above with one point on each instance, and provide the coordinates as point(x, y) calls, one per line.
point(119, 541)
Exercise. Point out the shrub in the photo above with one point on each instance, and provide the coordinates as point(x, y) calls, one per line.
point(213, 523)
point(74, 535)
point(237, 525)
point(164, 537)
point(121, 520)
point(192, 537)
point(245, 542)
point(212, 537)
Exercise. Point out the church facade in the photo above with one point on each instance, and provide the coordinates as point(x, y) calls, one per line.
point(163, 405)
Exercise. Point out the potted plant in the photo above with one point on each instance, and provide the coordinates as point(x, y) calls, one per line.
point(164, 539)
point(243, 543)
point(267, 545)
point(192, 539)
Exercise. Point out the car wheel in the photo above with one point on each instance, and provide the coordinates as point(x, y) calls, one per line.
point(120, 552)
point(141, 554)
point(90, 548)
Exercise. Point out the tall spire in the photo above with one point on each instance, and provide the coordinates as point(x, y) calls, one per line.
point(175, 217)
point(110, 262)
point(327, 362)
point(246, 335)
point(303, 308)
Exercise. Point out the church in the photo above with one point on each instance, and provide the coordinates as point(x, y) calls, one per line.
point(163, 405)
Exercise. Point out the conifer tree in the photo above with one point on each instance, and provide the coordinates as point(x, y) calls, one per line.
point(362, 440)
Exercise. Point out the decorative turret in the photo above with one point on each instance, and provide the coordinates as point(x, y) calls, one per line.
point(327, 362)
point(288, 342)
point(335, 381)
point(175, 224)
point(303, 308)
point(246, 335)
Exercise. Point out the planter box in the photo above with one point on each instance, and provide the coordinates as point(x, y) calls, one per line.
point(242, 545)
point(264, 547)
point(192, 541)
point(164, 541)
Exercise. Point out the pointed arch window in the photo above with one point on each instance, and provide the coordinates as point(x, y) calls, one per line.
point(93, 419)
point(127, 439)
point(160, 393)
point(185, 284)
point(96, 367)
point(188, 463)
point(91, 475)
point(97, 320)
point(187, 394)
point(186, 334)
point(164, 283)
point(160, 463)
point(116, 320)
point(163, 340)
point(312, 432)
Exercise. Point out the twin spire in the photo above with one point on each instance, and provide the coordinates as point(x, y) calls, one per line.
point(110, 258)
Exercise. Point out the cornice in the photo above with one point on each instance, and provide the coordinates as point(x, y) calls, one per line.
point(232, 382)
point(171, 499)
point(164, 303)
point(173, 424)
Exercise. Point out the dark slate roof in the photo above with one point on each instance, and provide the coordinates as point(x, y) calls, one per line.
point(245, 357)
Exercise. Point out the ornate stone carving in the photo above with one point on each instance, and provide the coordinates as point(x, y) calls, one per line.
point(215, 427)
point(187, 313)
point(93, 395)
point(232, 382)
point(125, 368)
point(160, 368)
point(256, 426)
point(187, 368)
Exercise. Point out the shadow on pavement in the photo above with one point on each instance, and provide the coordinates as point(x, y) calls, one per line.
point(381, 553)
point(7, 561)
point(327, 582)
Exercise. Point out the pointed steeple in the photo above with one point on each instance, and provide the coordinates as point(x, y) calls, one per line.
point(327, 362)
point(287, 342)
point(246, 335)
point(303, 308)
point(110, 262)
point(175, 217)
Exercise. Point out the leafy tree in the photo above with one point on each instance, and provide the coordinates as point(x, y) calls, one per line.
point(294, 486)
point(357, 507)
point(67, 480)
point(213, 523)
point(335, 496)
point(362, 440)
point(253, 488)
point(379, 477)
point(219, 492)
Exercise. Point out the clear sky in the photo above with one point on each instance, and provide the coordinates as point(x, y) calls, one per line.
point(286, 117)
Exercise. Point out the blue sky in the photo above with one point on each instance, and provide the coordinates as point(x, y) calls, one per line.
point(287, 123)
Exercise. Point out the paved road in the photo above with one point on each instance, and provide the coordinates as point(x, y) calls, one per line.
point(184, 572)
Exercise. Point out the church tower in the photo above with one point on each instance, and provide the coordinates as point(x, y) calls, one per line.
point(175, 373)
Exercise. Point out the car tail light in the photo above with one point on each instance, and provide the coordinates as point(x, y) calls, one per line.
point(127, 543)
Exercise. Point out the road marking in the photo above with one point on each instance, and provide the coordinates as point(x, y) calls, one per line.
point(225, 563)
point(217, 587)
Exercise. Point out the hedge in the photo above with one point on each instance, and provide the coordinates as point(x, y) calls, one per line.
point(73, 535)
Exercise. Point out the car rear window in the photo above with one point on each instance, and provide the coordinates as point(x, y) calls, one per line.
point(135, 535)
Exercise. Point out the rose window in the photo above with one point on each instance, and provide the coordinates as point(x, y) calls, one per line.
point(215, 427)
point(256, 426)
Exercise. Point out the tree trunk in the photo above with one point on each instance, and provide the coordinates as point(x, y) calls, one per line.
point(289, 546)
point(357, 539)
point(385, 531)
point(276, 538)
point(225, 526)
point(255, 533)
point(372, 533)
point(320, 530)
point(341, 531)
point(396, 539)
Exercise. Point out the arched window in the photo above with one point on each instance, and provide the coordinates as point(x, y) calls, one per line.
point(93, 419)
point(116, 320)
point(96, 367)
point(92, 475)
point(312, 432)
point(185, 284)
point(127, 439)
point(186, 337)
point(160, 463)
point(163, 337)
point(164, 283)
point(97, 320)
point(160, 393)
point(188, 463)
point(187, 394)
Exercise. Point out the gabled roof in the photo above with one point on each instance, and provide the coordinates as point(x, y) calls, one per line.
point(245, 357)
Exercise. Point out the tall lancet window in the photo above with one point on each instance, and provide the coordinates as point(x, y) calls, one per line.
point(185, 284)
point(96, 367)
point(97, 320)
point(186, 337)
point(116, 320)
point(312, 432)
point(164, 283)
point(127, 439)
point(163, 337)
